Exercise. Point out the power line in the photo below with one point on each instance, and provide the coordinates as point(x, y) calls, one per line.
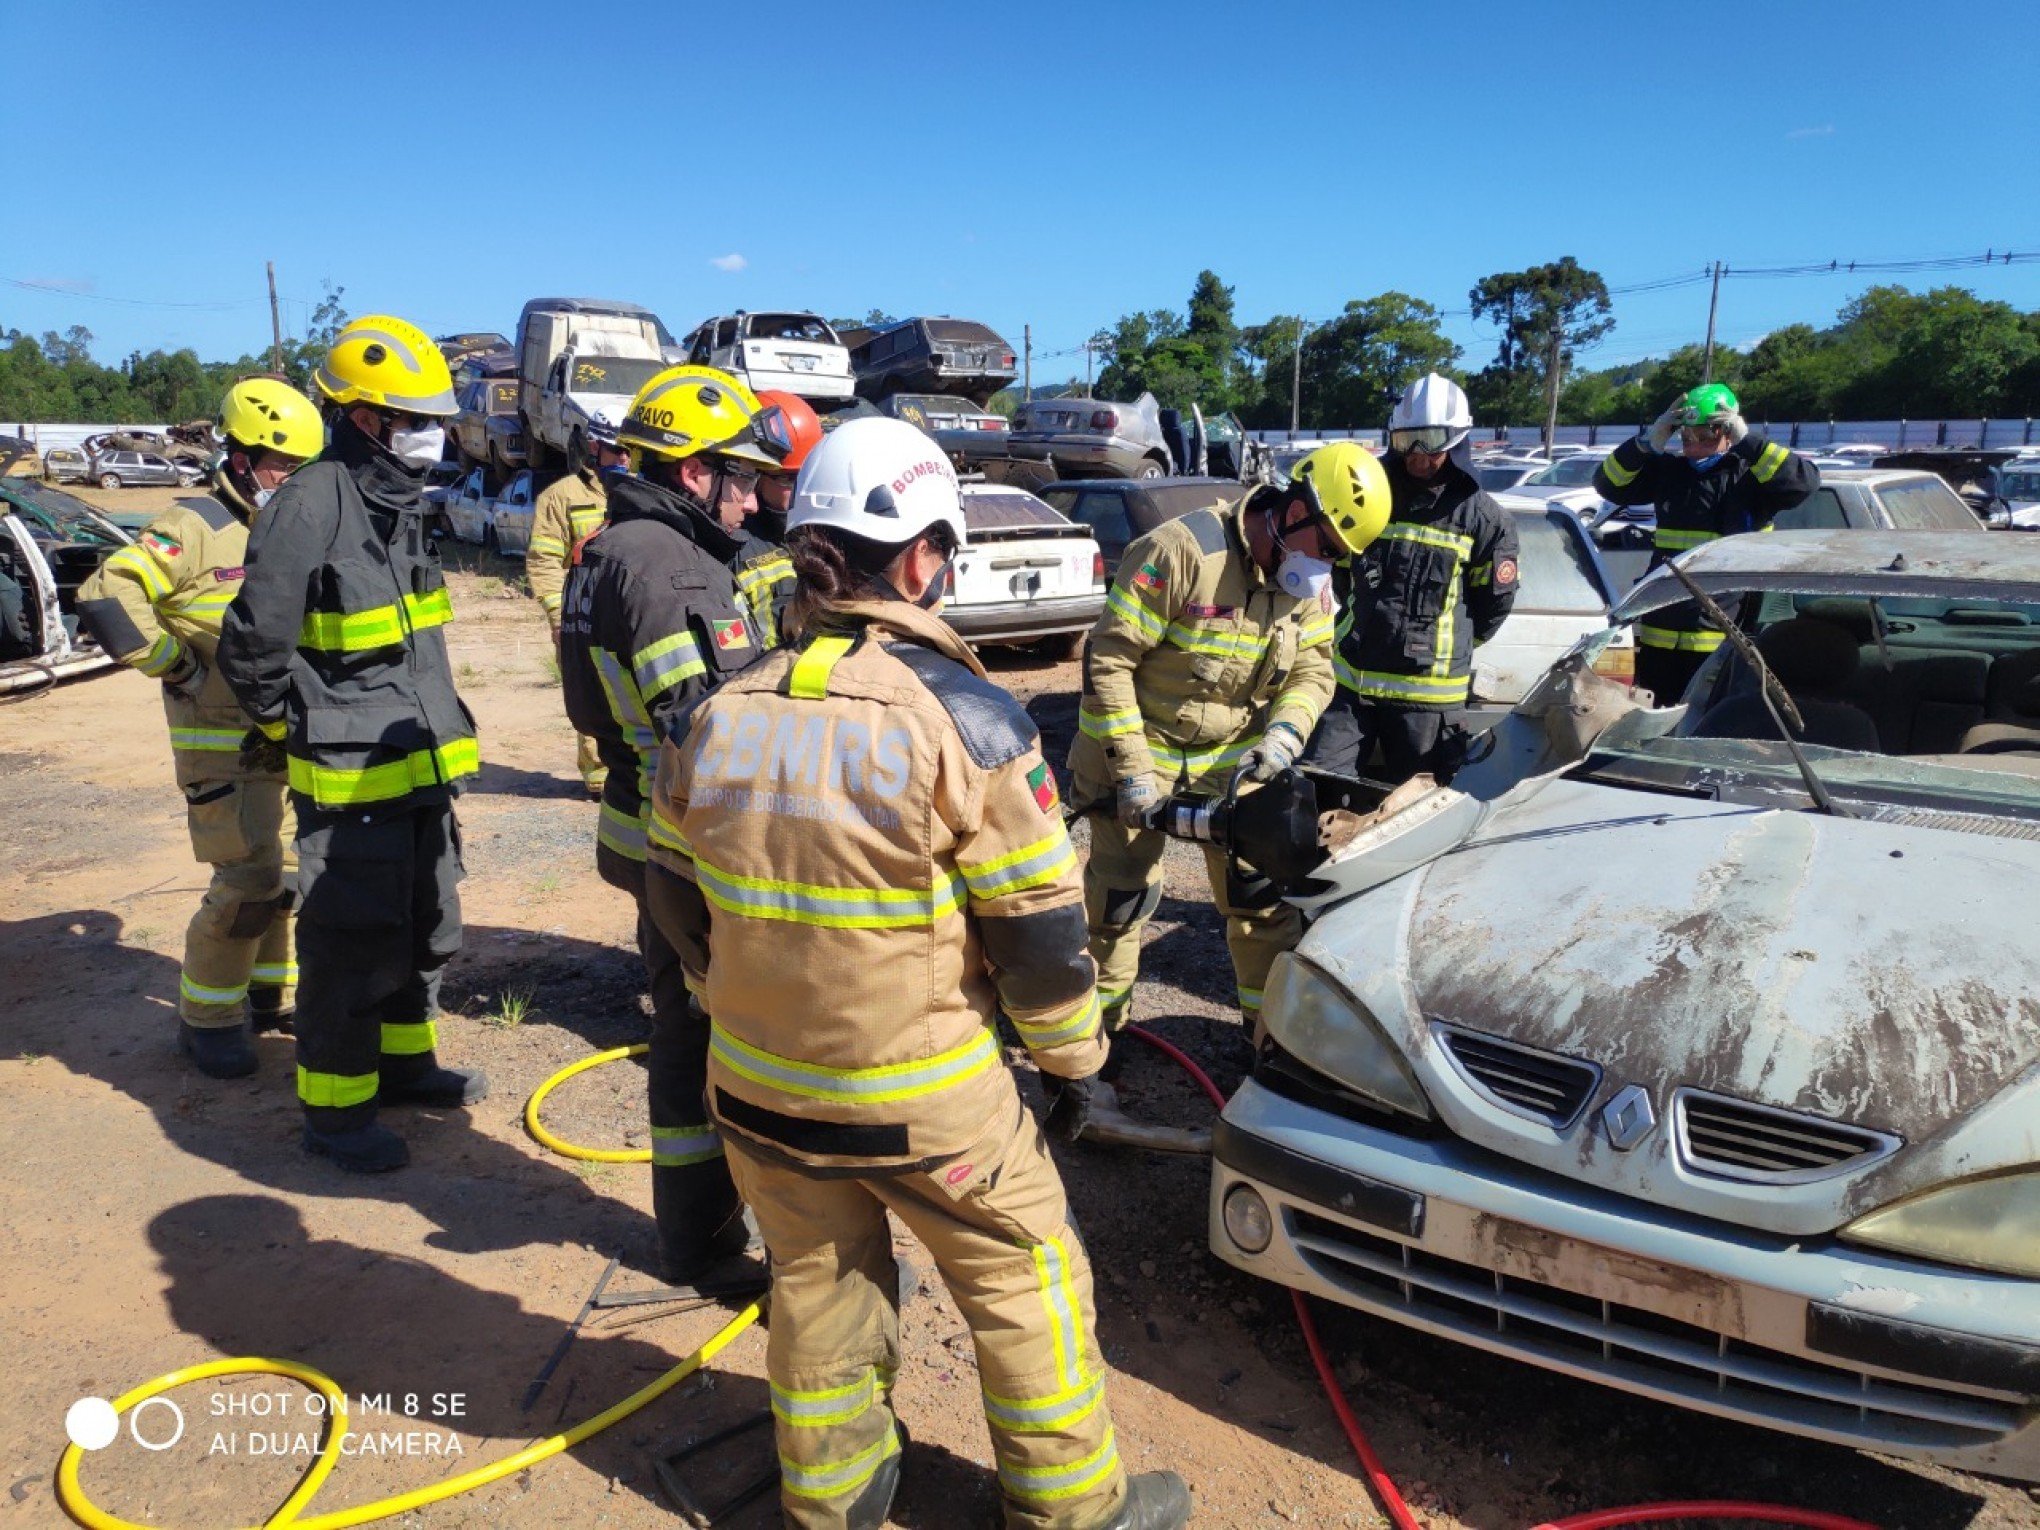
point(126, 302)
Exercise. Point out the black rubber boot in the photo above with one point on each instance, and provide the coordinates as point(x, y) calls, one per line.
point(433, 1086)
point(270, 1018)
point(224, 1052)
point(370, 1149)
point(871, 1506)
point(732, 1263)
point(1117, 1045)
point(1154, 1501)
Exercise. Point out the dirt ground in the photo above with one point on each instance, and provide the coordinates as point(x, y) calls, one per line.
point(159, 1219)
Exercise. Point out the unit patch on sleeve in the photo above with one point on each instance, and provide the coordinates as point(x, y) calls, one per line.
point(1041, 781)
point(732, 634)
point(162, 543)
point(1149, 578)
point(1505, 571)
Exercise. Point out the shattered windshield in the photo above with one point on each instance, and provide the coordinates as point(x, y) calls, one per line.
point(1911, 699)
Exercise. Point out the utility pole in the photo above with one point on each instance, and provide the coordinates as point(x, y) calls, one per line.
point(1551, 368)
point(275, 325)
point(1087, 369)
point(1027, 352)
point(1713, 302)
point(1296, 382)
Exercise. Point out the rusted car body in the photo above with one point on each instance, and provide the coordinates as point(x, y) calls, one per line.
point(1623, 1057)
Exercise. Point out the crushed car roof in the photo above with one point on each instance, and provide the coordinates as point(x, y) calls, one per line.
point(1929, 564)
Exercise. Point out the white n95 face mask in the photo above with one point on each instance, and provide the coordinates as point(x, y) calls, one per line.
point(418, 448)
point(1304, 577)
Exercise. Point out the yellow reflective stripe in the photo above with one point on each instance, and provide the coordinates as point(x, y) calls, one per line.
point(856, 1086)
point(583, 521)
point(660, 666)
point(546, 547)
point(809, 680)
point(1121, 604)
point(1250, 998)
point(200, 993)
point(1316, 630)
point(1667, 540)
point(378, 627)
point(273, 731)
point(843, 908)
point(621, 832)
point(764, 572)
point(828, 1407)
point(1429, 536)
point(625, 705)
point(1344, 673)
point(1047, 1484)
point(1447, 629)
point(274, 974)
point(1030, 866)
point(208, 740)
point(334, 1091)
point(162, 656)
point(1480, 574)
point(1055, 1033)
point(674, 1147)
point(334, 786)
point(1300, 700)
point(1059, 1302)
point(134, 561)
point(1045, 1415)
point(1679, 639)
point(1195, 639)
point(1195, 761)
point(551, 601)
point(1108, 724)
point(835, 1478)
point(1769, 460)
point(1387, 687)
point(665, 834)
point(408, 1040)
point(1620, 476)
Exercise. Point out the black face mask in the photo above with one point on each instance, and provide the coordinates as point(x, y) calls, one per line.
point(938, 587)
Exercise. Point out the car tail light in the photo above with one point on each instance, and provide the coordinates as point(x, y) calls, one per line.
point(1006, 360)
point(1103, 419)
point(1097, 568)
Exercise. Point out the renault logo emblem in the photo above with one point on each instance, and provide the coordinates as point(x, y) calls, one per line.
point(1628, 1117)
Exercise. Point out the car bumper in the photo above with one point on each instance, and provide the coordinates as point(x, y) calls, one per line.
point(1806, 1336)
point(1074, 455)
point(809, 385)
point(1022, 621)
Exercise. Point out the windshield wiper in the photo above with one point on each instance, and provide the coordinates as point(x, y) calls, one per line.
point(1777, 700)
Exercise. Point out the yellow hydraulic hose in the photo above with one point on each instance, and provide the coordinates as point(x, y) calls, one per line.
point(86, 1512)
point(574, 1150)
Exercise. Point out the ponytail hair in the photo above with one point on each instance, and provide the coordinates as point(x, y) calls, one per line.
point(831, 568)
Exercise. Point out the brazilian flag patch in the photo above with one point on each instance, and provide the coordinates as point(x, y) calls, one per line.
point(1041, 781)
point(1149, 578)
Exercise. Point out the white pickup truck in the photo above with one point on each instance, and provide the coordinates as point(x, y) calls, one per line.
point(576, 358)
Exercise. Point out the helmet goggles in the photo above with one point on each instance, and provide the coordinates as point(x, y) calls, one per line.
point(1428, 439)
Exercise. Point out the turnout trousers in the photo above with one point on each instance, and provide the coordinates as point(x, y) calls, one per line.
point(1122, 889)
point(693, 1200)
point(1666, 672)
point(239, 952)
point(1352, 725)
point(378, 918)
point(997, 1226)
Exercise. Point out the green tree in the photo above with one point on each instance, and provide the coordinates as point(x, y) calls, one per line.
point(1356, 366)
point(1560, 300)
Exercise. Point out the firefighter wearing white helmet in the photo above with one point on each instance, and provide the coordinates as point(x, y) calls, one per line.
point(858, 851)
point(1213, 655)
point(1437, 583)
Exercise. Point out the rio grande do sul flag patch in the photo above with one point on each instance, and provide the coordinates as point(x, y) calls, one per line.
point(1149, 578)
point(732, 634)
point(1041, 781)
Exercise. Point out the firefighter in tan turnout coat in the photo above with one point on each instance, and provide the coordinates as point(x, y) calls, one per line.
point(1213, 655)
point(858, 851)
point(156, 606)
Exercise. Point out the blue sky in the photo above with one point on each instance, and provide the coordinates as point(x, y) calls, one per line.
point(1023, 164)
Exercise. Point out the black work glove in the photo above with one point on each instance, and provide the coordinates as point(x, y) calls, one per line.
point(263, 755)
point(1070, 1102)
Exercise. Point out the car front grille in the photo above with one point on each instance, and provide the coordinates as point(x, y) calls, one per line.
point(1638, 1350)
point(1735, 1139)
point(1545, 1086)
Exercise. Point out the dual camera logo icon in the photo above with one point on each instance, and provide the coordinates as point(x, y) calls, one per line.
point(92, 1423)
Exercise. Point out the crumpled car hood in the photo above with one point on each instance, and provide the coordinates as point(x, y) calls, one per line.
point(1873, 973)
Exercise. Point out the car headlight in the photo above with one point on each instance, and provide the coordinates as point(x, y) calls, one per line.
point(1328, 1029)
point(1987, 1224)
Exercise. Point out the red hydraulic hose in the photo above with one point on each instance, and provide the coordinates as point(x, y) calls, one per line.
point(1384, 1486)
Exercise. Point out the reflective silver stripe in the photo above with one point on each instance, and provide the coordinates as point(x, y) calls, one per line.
point(1045, 1415)
point(835, 1478)
point(828, 1407)
point(1042, 861)
point(831, 907)
point(677, 1146)
point(1055, 1033)
point(199, 993)
point(855, 1086)
point(1046, 1484)
point(1059, 1301)
point(624, 835)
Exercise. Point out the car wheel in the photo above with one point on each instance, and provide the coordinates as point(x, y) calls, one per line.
point(1149, 468)
point(109, 480)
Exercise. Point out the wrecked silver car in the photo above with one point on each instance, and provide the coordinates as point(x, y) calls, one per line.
point(1661, 1052)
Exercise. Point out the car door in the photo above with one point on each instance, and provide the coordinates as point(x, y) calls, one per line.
point(1562, 594)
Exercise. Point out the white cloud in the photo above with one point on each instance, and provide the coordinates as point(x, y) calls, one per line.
point(1825, 130)
point(730, 262)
